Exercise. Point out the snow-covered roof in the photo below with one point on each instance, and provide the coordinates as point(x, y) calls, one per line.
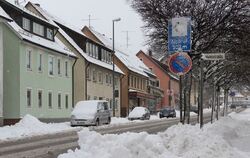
point(56, 45)
point(4, 15)
point(72, 42)
point(23, 9)
point(132, 62)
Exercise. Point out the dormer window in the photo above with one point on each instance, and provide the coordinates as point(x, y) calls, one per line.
point(38, 29)
point(50, 34)
point(26, 24)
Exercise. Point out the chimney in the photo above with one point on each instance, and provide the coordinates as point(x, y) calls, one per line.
point(37, 4)
point(150, 53)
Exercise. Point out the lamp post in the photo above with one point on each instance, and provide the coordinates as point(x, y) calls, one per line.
point(113, 56)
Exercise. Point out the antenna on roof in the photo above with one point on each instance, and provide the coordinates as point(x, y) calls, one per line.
point(18, 2)
point(89, 19)
point(127, 38)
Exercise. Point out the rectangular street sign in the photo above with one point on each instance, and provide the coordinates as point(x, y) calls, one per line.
point(179, 34)
point(213, 56)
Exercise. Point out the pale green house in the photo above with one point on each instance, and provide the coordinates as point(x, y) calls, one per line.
point(37, 68)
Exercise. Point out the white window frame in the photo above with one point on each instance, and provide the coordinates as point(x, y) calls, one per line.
point(38, 91)
point(26, 24)
point(59, 102)
point(94, 75)
point(50, 106)
point(59, 66)
point(67, 101)
point(100, 76)
point(50, 33)
point(52, 57)
point(40, 62)
point(66, 68)
point(29, 59)
point(28, 89)
point(38, 29)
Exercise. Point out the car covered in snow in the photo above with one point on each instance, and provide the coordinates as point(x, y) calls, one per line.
point(91, 112)
point(139, 113)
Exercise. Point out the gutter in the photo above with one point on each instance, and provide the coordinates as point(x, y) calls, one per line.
point(73, 86)
point(86, 80)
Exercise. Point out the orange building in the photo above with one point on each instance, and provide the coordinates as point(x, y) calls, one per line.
point(167, 82)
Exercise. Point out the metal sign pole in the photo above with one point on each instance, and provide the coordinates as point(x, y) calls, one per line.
point(201, 94)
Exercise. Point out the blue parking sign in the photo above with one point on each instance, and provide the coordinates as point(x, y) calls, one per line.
point(179, 34)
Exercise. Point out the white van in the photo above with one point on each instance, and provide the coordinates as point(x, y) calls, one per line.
point(91, 112)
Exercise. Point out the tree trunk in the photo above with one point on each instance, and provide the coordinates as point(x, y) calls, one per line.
point(213, 103)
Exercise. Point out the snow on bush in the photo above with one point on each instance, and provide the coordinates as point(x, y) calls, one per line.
point(179, 141)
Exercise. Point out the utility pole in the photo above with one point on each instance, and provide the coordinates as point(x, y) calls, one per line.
point(89, 20)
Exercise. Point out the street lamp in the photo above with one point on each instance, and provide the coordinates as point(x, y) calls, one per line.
point(113, 56)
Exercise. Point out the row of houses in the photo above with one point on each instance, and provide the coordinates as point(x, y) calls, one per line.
point(48, 65)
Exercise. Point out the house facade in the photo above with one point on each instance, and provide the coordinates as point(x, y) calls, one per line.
point(134, 82)
point(4, 18)
point(37, 76)
point(93, 69)
point(166, 81)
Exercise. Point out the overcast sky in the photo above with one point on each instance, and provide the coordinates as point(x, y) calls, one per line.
point(77, 12)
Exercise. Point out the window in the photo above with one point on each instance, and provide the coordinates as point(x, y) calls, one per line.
point(131, 81)
point(28, 59)
point(59, 100)
point(110, 79)
point(100, 77)
point(105, 106)
point(87, 47)
point(29, 98)
point(51, 65)
point(59, 66)
point(95, 97)
point(157, 83)
point(134, 82)
point(94, 75)
point(50, 99)
point(88, 97)
point(40, 98)
point(66, 68)
point(116, 81)
point(40, 60)
point(66, 101)
point(88, 74)
point(38, 29)
point(107, 78)
point(50, 34)
point(26, 24)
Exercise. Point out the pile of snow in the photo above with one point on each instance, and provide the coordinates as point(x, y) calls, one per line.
point(30, 126)
point(137, 112)
point(179, 141)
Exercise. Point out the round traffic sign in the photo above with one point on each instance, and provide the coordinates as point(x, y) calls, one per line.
point(180, 63)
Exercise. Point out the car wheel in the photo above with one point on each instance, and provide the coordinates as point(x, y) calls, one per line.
point(97, 123)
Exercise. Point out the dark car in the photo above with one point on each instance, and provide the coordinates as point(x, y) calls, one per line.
point(194, 109)
point(167, 112)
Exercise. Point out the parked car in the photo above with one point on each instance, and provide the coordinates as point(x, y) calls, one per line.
point(91, 112)
point(167, 112)
point(139, 113)
point(194, 109)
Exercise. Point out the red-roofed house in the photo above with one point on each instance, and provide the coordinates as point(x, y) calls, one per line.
point(167, 81)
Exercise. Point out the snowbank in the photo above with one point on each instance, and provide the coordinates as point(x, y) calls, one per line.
point(30, 126)
point(179, 141)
